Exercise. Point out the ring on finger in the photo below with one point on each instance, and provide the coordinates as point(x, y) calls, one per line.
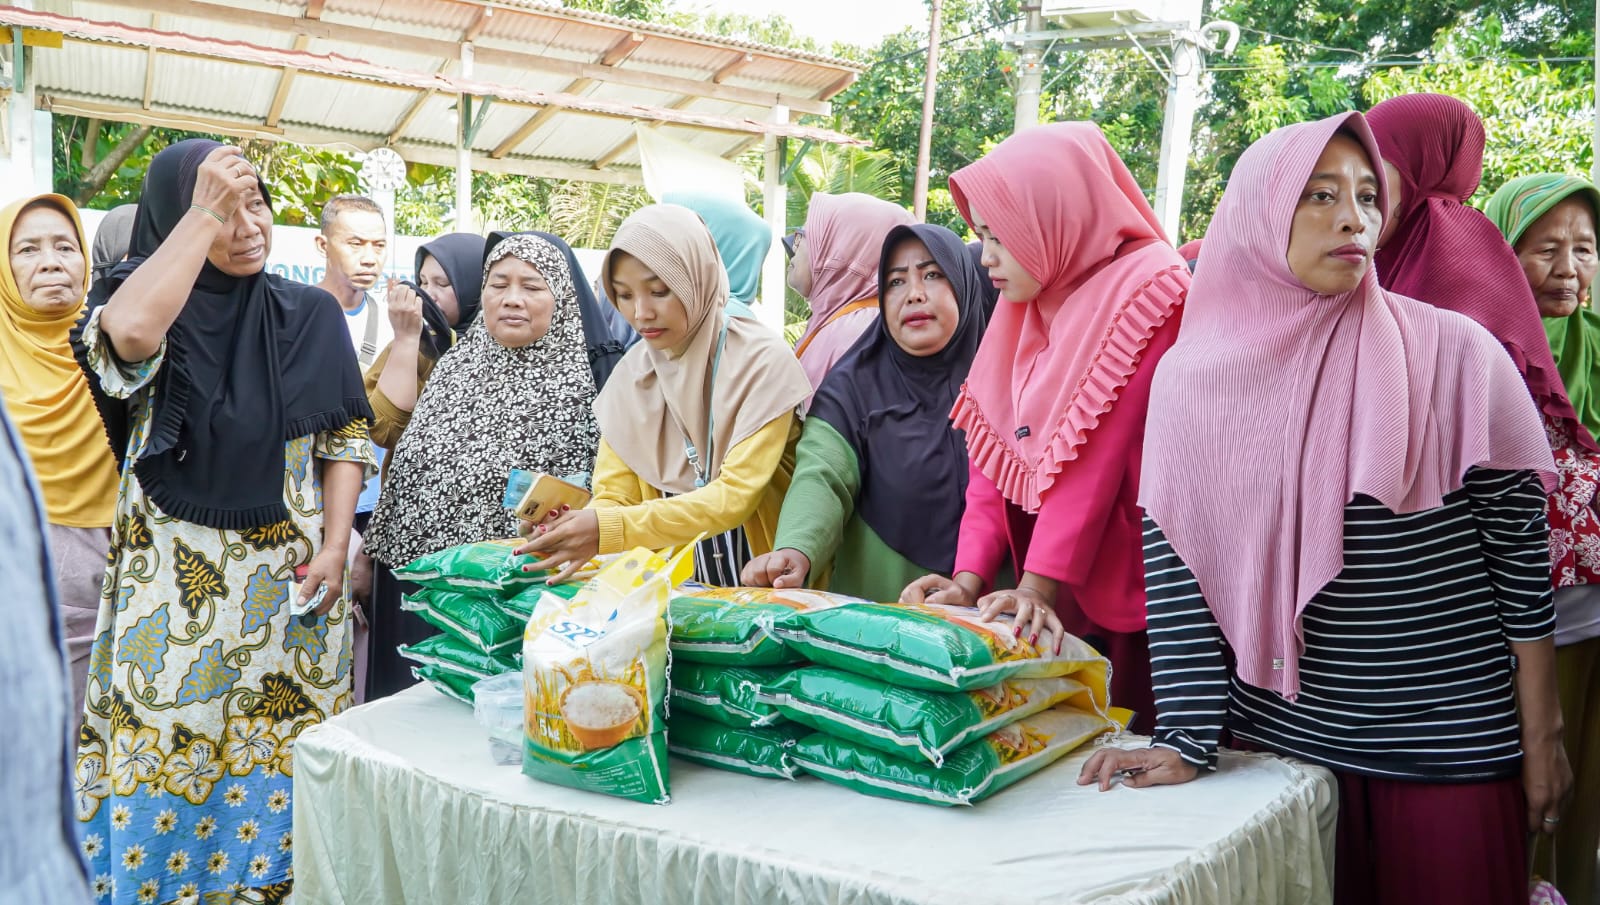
point(1552, 820)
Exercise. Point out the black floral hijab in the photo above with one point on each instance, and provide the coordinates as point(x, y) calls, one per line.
point(486, 410)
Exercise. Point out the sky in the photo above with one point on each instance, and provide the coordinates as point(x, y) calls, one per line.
point(859, 22)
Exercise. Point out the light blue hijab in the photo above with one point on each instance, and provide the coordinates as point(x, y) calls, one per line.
point(742, 238)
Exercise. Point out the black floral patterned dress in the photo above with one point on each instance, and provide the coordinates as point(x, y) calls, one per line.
point(199, 681)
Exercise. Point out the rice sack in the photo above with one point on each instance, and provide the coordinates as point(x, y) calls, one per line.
point(450, 684)
point(754, 752)
point(914, 723)
point(729, 625)
point(969, 775)
point(930, 646)
point(730, 695)
point(595, 676)
point(457, 656)
point(475, 620)
point(521, 605)
point(485, 566)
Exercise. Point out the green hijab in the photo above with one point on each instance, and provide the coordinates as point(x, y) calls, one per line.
point(1575, 339)
point(743, 239)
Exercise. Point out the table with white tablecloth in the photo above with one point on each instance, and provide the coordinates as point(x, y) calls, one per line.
point(399, 801)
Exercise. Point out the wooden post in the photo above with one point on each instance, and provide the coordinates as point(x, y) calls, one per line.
point(930, 84)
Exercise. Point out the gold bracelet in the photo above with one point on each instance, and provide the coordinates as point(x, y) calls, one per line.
point(200, 207)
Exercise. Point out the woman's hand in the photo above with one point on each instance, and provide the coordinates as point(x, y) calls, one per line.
point(1138, 768)
point(223, 181)
point(1546, 780)
point(939, 589)
point(405, 311)
point(785, 568)
point(326, 568)
point(566, 541)
point(1034, 615)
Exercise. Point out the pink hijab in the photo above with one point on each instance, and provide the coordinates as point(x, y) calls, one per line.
point(1450, 255)
point(1277, 406)
point(1064, 204)
point(844, 235)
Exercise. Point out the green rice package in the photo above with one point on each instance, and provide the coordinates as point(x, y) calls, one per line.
point(730, 695)
point(469, 618)
point(930, 646)
point(485, 566)
point(521, 605)
point(457, 656)
point(754, 752)
point(914, 723)
point(595, 676)
point(729, 625)
point(969, 775)
point(450, 684)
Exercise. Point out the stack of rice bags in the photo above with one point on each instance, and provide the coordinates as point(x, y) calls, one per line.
point(723, 657)
point(479, 598)
point(927, 704)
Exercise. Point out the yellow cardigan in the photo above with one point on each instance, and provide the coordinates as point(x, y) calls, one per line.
point(747, 491)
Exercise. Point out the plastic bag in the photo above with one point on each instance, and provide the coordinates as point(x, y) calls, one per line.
point(457, 656)
point(969, 775)
point(475, 568)
point(914, 723)
point(939, 648)
point(730, 695)
point(595, 676)
point(497, 706)
point(470, 618)
point(753, 752)
point(729, 625)
point(521, 605)
point(454, 685)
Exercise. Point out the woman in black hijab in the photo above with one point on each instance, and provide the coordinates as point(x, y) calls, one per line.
point(880, 474)
point(239, 414)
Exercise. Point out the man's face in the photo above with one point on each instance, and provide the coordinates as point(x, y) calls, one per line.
point(355, 243)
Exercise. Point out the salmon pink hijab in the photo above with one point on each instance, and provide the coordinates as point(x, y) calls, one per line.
point(1450, 255)
point(1277, 406)
point(1063, 203)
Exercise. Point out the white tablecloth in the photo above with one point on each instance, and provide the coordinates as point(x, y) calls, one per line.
point(398, 801)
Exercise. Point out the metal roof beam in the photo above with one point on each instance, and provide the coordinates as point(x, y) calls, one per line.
point(487, 56)
point(620, 148)
point(285, 81)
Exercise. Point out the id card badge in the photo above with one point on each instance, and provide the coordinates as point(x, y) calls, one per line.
point(517, 485)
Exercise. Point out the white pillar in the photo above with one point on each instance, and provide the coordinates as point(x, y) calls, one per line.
point(1177, 130)
point(19, 173)
point(1030, 75)
point(775, 202)
point(465, 220)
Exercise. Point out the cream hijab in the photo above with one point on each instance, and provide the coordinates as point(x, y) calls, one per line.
point(731, 378)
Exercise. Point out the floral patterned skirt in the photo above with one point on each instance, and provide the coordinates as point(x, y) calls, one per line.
point(199, 683)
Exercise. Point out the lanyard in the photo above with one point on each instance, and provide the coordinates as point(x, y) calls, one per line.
point(689, 451)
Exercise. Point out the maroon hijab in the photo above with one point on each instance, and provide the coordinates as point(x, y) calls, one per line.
point(1452, 256)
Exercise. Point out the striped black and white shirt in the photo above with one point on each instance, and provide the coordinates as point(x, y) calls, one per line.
point(1406, 672)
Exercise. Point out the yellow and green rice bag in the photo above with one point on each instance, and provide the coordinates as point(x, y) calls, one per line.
point(730, 695)
point(752, 751)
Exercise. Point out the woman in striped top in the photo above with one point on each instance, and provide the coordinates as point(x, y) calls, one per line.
point(1344, 540)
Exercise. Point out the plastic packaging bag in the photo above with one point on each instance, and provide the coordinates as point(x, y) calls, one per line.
point(939, 648)
point(595, 674)
point(470, 618)
point(729, 625)
point(497, 706)
point(753, 752)
point(918, 724)
point(730, 695)
point(969, 775)
point(485, 566)
point(459, 657)
point(521, 605)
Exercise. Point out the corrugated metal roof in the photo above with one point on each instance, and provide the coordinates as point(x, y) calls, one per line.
point(567, 86)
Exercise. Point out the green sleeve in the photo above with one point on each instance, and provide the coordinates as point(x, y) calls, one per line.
point(822, 496)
